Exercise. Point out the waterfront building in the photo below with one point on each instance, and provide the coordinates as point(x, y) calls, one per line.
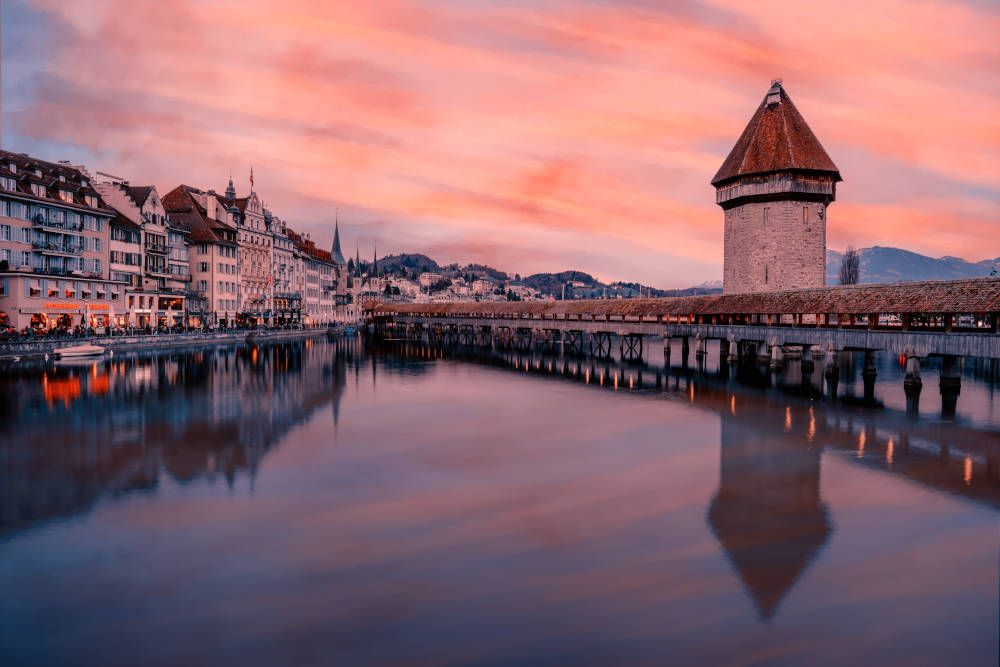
point(775, 187)
point(54, 247)
point(320, 282)
point(213, 250)
point(159, 296)
point(286, 270)
point(255, 262)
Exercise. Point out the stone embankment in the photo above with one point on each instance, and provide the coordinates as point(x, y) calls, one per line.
point(43, 346)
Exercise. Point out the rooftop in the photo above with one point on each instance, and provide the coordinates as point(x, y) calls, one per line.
point(777, 138)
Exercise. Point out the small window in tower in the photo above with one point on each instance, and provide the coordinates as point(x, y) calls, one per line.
point(805, 215)
point(766, 210)
point(765, 270)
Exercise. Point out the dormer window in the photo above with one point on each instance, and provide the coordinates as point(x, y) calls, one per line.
point(38, 189)
point(38, 172)
point(66, 196)
point(13, 168)
point(91, 200)
point(62, 178)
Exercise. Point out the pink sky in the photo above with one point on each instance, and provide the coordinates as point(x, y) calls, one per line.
point(533, 136)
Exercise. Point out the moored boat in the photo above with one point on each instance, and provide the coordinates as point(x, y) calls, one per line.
point(79, 351)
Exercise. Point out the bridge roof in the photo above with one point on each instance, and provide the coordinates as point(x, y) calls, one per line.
point(978, 295)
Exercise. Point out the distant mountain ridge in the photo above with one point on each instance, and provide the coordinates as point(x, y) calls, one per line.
point(878, 265)
point(892, 265)
point(576, 283)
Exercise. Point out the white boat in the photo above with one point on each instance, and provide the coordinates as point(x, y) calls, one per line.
point(79, 351)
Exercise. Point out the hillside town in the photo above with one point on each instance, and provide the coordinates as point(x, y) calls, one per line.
point(94, 251)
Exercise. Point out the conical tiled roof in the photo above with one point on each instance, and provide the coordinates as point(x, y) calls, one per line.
point(777, 138)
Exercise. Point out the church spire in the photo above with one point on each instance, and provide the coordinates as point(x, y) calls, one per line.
point(335, 252)
point(230, 189)
point(375, 262)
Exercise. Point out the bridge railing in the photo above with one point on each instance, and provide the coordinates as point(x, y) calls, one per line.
point(895, 321)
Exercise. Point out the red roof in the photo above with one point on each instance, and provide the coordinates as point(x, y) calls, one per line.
point(184, 210)
point(777, 138)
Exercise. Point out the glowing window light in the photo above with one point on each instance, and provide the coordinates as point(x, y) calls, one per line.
point(861, 444)
point(788, 419)
point(890, 450)
point(967, 471)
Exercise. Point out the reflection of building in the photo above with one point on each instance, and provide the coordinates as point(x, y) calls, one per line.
point(112, 427)
point(768, 514)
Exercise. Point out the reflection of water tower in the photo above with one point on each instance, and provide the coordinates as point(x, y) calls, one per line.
point(768, 515)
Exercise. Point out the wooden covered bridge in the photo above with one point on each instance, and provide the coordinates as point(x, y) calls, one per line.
point(947, 319)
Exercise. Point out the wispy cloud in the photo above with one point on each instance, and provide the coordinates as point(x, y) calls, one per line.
point(531, 135)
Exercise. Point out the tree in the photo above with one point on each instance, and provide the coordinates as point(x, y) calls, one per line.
point(850, 267)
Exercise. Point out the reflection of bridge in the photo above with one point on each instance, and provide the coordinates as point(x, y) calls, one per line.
point(948, 319)
point(768, 514)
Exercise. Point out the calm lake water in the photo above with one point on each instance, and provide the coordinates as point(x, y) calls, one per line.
point(317, 503)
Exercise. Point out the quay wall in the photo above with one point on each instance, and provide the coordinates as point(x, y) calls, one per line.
point(37, 348)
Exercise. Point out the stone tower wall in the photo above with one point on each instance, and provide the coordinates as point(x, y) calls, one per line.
point(786, 251)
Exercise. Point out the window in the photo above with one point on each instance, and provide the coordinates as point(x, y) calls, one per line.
point(3, 287)
point(33, 288)
point(765, 274)
point(805, 215)
point(66, 196)
point(69, 290)
point(38, 189)
point(52, 290)
point(203, 267)
point(4, 232)
point(766, 211)
point(101, 292)
point(91, 200)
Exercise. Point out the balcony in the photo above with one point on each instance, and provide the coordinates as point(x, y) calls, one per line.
point(156, 248)
point(50, 248)
point(65, 227)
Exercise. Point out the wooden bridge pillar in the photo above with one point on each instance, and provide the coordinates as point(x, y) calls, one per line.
point(666, 351)
point(630, 347)
point(950, 385)
point(832, 372)
point(808, 364)
point(868, 375)
point(600, 344)
point(912, 384)
point(777, 354)
point(574, 342)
